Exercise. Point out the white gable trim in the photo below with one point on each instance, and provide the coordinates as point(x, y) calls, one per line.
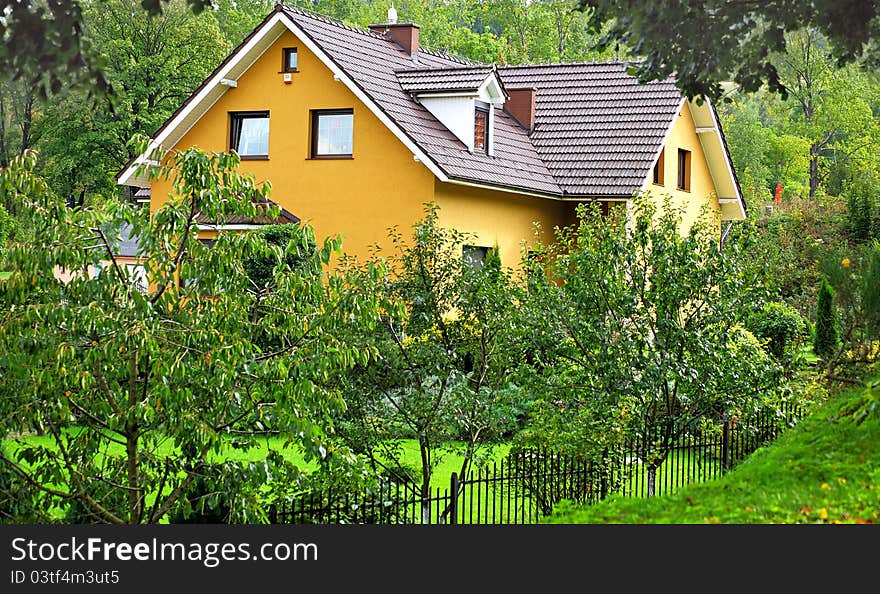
point(203, 101)
point(649, 180)
point(717, 126)
point(491, 90)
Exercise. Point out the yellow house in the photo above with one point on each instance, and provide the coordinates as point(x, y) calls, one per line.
point(357, 130)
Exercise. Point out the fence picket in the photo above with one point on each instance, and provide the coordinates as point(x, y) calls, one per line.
point(533, 481)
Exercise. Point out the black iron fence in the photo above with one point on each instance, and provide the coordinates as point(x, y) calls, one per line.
point(525, 485)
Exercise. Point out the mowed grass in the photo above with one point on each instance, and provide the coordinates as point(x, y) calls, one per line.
point(825, 470)
point(448, 459)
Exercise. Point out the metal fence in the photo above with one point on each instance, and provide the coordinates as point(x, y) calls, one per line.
point(526, 485)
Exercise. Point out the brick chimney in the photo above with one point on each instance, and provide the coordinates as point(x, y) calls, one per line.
point(405, 34)
point(521, 105)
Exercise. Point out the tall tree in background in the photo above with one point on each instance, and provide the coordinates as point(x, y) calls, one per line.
point(18, 102)
point(153, 64)
point(808, 74)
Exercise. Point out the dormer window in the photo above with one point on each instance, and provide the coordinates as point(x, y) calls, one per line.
point(481, 129)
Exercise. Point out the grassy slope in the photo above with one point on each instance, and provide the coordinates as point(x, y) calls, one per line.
point(826, 470)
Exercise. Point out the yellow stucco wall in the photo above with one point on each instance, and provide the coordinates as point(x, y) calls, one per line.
point(499, 218)
point(382, 185)
point(702, 191)
point(358, 198)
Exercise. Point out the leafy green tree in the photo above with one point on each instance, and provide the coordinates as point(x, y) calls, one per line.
point(827, 339)
point(639, 338)
point(706, 43)
point(143, 394)
point(443, 357)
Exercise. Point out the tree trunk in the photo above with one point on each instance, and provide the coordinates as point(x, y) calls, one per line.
point(652, 477)
point(814, 169)
point(4, 155)
point(425, 489)
point(27, 119)
point(131, 444)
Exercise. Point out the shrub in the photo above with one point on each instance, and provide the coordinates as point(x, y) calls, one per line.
point(871, 292)
point(861, 200)
point(781, 328)
point(260, 267)
point(826, 339)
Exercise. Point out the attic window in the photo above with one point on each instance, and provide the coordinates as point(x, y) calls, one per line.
point(289, 60)
point(659, 166)
point(481, 129)
point(684, 170)
point(249, 134)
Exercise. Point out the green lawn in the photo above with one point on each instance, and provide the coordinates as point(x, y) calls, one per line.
point(447, 461)
point(4, 275)
point(825, 470)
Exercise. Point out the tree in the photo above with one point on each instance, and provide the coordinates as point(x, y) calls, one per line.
point(144, 395)
point(442, 360)
point(639, 337)
point(152, 63)
point(705, 43)
point(17, 111)
point(826, 339)
point(45, 42)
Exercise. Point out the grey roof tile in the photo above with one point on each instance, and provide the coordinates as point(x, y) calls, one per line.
point(459, 78)
point(596, 132)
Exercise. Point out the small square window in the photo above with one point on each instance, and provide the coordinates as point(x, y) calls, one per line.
point(332, 133)
point(249, 134)
point(289, 60)
point(474, 255)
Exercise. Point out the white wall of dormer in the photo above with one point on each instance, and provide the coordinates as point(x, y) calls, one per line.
point(454, 112)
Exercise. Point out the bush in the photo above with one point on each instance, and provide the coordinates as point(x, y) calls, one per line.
point(260, 267)
point(826, 339)
point(781, 328)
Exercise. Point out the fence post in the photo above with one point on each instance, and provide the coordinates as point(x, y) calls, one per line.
point(725, 446)
point(273, 514)
point(603, 474)
point(453, 498)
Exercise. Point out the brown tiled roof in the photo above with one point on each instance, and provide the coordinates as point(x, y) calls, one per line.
point(596, 130)
point(284, 217)
point(372, 61)
point(437, 80)
point(596, 127)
